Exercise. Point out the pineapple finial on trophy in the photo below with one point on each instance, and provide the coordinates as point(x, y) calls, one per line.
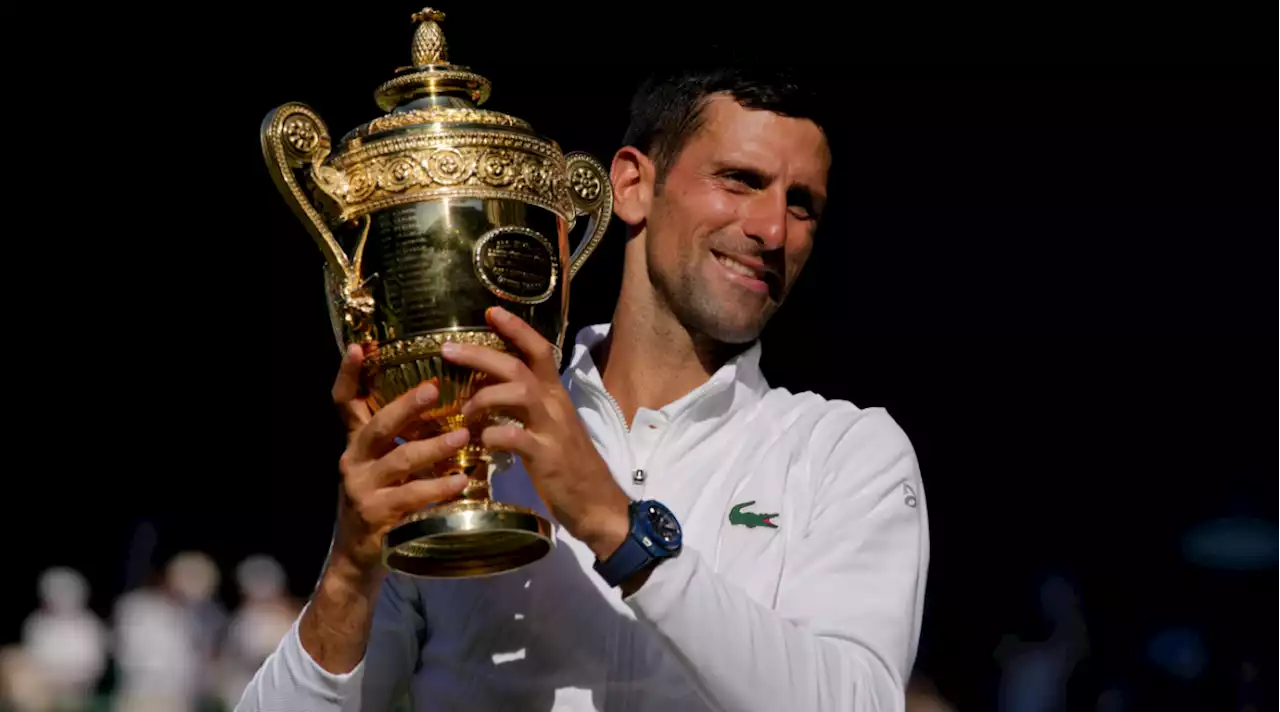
point(429, 46)
point(430, 76)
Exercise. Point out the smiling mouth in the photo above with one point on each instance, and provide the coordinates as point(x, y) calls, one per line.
point(766, 276)
point(737, 266)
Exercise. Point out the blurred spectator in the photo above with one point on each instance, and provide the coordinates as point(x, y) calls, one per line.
point(167, 637)
point(24, 687)
point(1035, 673)
point(64, 641)
point(195, 578)
point(265, 614)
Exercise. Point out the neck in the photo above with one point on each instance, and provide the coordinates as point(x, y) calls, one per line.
point(650, 359)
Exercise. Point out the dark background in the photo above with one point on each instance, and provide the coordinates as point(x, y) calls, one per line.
point(1049, 256)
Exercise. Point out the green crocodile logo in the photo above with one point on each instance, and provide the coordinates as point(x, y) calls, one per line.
point(750, 520)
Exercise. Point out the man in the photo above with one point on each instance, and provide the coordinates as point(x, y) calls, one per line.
point(776, 555)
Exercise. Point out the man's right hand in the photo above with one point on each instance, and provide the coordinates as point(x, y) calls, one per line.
point(378, 488)
point(378, 483)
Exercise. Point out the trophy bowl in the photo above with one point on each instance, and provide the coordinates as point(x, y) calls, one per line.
point(427, 216)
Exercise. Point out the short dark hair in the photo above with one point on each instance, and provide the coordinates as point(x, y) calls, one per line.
point(667, 107)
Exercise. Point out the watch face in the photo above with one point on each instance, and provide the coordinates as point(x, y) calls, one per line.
point(664, 525)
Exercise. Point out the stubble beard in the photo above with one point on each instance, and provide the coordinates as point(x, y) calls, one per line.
point(688, 299)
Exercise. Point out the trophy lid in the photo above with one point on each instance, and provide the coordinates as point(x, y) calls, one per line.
point(432, 92)
point(434, 142)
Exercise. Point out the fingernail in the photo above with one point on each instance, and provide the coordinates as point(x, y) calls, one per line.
point(426, 393)
point(499, 312)
point(449, 348)
point(457, 438)
point(458, 480)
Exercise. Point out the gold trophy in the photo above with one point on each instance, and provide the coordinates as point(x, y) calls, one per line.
point(426, 216)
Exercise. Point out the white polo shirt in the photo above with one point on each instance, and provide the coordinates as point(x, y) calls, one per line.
point(821, 611)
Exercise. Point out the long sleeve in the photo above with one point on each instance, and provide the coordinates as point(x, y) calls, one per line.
point(845, 626)
point(291, 681)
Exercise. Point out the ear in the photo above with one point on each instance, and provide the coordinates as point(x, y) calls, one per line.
point(632, 176)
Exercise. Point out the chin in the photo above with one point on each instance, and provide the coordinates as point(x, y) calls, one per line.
point(741, 330)
point(726, 316)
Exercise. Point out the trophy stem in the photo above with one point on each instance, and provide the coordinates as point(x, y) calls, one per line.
point(472, 534)
point(472, 460)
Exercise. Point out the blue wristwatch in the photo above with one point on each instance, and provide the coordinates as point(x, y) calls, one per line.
point(655, 535)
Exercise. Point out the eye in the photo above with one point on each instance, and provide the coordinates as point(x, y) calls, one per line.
point(800, 203)
point(741, 179)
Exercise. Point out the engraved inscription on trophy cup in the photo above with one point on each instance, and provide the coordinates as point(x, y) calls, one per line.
point(427, 216)
point(516, 263)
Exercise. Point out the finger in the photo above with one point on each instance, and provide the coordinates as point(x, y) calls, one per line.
point(378, 434)
point(500, 365)
point(419, 493)
point(538, 352)
point(510, 438)
point(517, 398)
point(415, 456)
point(346, 389)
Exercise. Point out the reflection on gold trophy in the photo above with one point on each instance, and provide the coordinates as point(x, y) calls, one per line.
point(426, 216)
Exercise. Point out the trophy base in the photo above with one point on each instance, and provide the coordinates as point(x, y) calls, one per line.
point(467, 539)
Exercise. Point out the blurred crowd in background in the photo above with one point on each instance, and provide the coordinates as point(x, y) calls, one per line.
point(170, 646)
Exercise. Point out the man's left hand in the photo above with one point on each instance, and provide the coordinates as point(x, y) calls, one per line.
point(562, 462)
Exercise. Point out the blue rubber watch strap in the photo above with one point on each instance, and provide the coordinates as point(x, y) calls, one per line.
point(628, 559)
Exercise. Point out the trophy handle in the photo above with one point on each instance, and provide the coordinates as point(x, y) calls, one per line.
point(295, 143)
point(592, 195)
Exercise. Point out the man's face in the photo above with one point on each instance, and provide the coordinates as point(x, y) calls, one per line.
point(733, 225)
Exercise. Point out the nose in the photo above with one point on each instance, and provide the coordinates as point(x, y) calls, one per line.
point(765, 219)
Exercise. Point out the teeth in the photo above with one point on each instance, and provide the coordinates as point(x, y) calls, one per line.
point(736, 266)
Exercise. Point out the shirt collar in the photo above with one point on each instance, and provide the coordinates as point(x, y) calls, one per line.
point(740, 379)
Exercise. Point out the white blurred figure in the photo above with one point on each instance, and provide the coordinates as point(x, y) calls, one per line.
point(265, 614)
point(157, 660)
point(195, 578)
point(64, 640)
point(24, 687)
point(166, 636)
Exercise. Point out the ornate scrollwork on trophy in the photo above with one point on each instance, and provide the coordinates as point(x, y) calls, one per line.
point(497, 168)
point(448, 166)
point(380, 175)
point(585, 183)
point(399, 173)
point(302, 135)
point(428, 345)
point(360, 183)
point(445, 115)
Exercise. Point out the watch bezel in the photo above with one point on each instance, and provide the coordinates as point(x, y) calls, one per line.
point(653, 512)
